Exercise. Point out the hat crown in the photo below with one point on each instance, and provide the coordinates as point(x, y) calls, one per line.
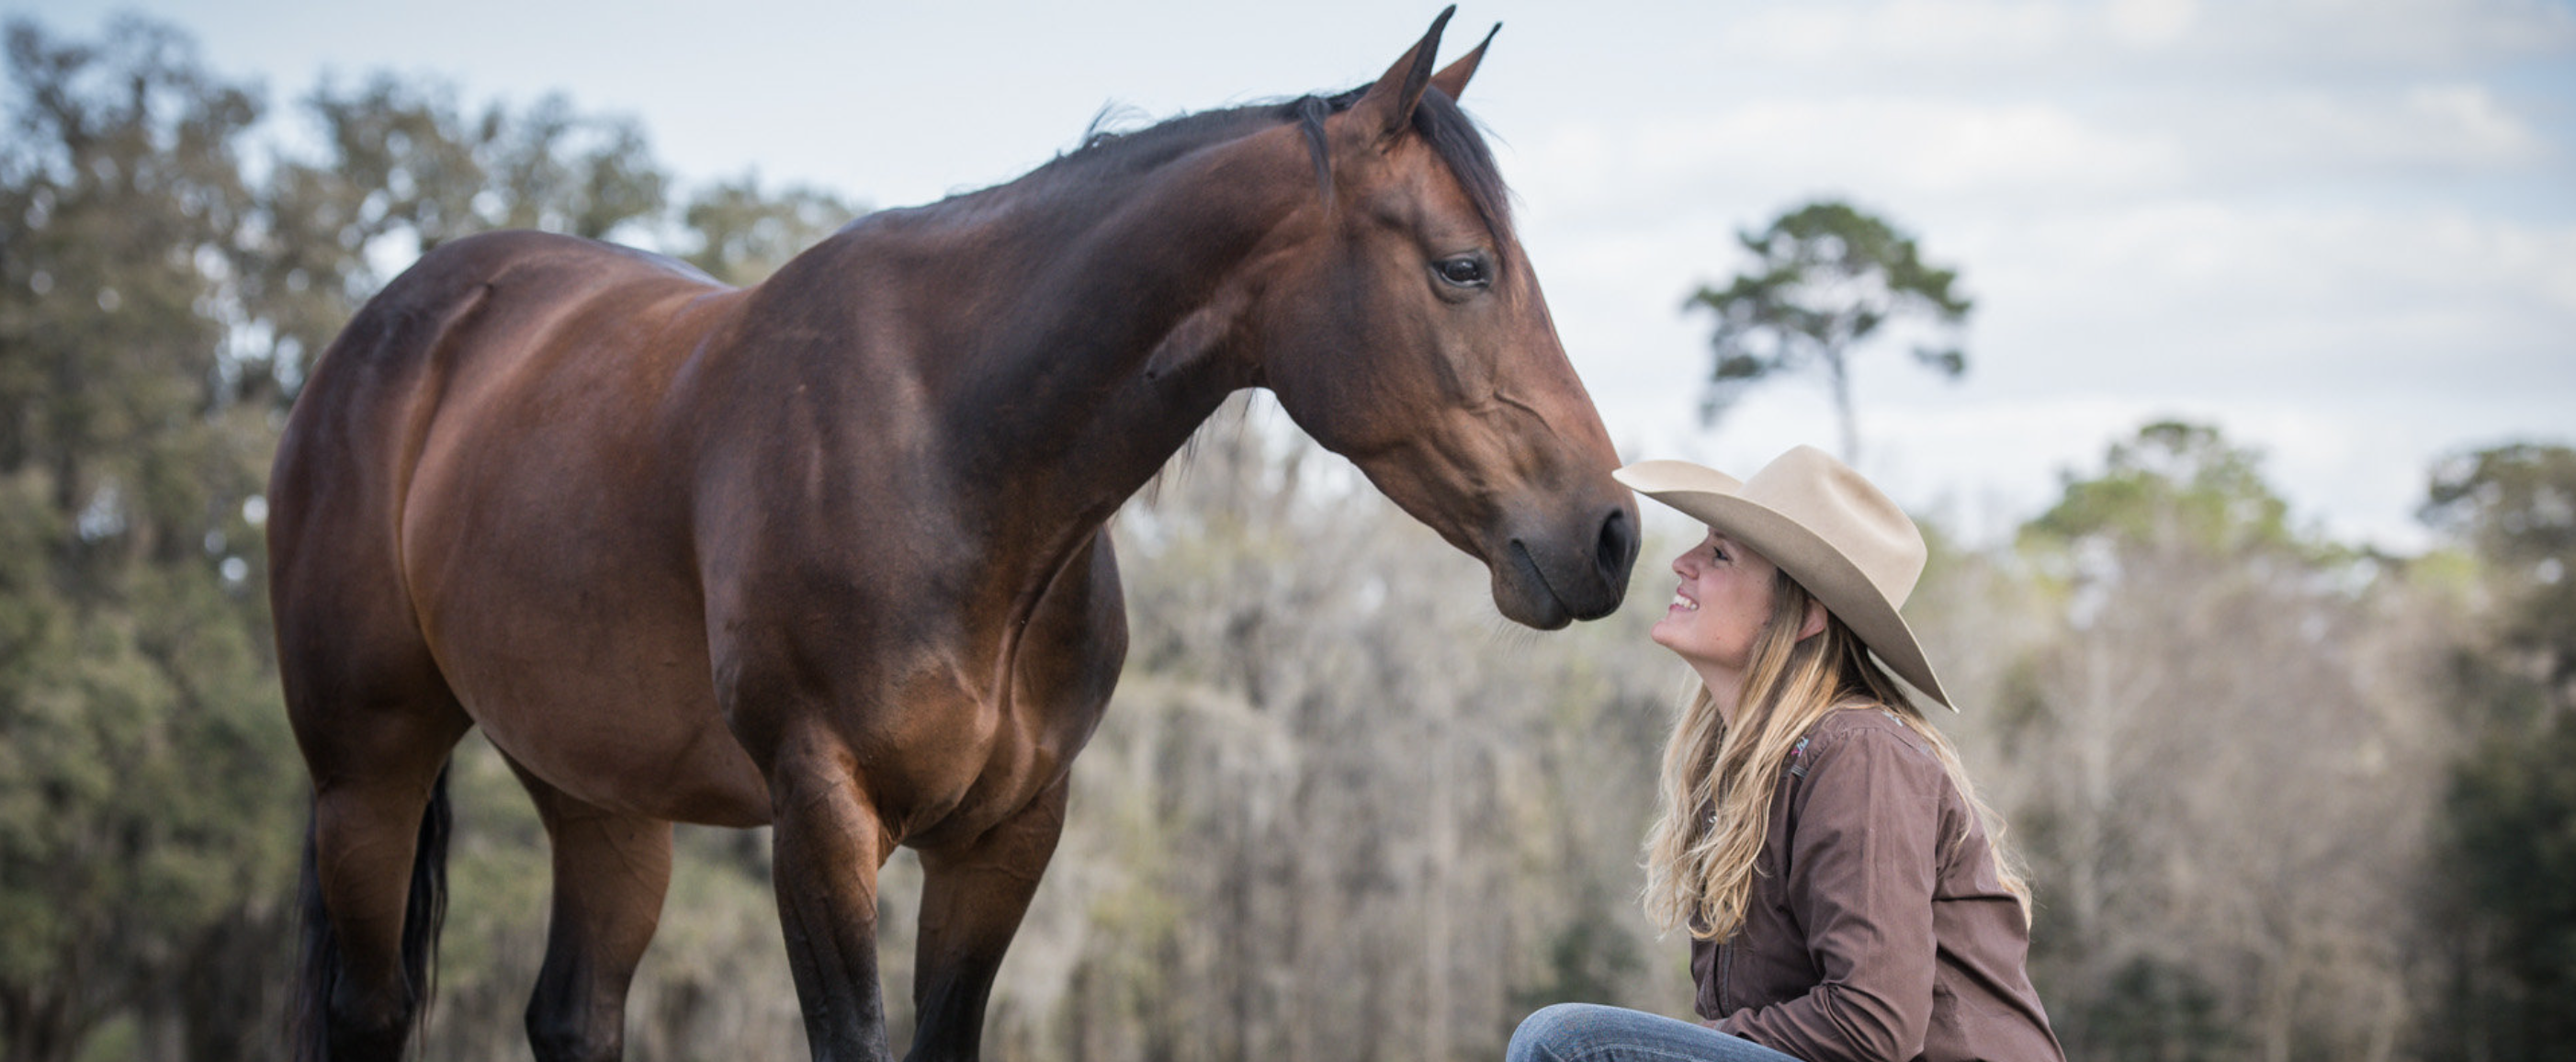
point(1825, 526)
point(1850, 513)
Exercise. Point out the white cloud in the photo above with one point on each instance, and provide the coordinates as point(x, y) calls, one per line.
point(1762, 153)
point(1767, 151)
point(2149, 23)
point(2278, 40)
point(2389, 36)
point(2467, 119)
point(2327, 137)
point(2242, 287)
point(1906, 30)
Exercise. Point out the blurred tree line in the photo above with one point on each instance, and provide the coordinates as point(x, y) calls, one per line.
point(2285, 799)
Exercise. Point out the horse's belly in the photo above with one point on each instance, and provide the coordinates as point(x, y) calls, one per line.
point(565, 617)
point(615, 709)
point(655, 749)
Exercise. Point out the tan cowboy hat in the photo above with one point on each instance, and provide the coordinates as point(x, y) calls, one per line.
point(1832, 531)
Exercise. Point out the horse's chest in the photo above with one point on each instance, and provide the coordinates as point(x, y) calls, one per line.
point(952, 702)
point(952, 770)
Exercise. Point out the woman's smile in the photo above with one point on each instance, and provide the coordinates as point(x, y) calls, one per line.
point(1718, 608)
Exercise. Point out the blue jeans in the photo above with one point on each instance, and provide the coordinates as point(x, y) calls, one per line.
point(1585, 1032)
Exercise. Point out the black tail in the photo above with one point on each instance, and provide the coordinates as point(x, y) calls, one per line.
point(317, 971)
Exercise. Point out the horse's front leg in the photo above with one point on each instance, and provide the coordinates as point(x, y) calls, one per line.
point(827, 845)
point(975, 892)
point(972, 898)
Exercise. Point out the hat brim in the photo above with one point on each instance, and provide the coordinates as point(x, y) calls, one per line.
point(1713, 498)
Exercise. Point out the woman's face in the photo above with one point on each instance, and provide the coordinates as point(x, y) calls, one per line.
point(1718, 611)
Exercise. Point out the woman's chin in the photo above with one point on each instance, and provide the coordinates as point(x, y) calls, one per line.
point(1664, 632)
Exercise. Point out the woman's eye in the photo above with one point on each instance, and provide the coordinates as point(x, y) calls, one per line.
point(1466, 271)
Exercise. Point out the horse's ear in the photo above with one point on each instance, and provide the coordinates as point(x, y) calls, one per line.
point(1452, 79)
point(1387, 107)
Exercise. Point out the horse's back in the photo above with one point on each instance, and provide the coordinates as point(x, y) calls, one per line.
point(352, 443)
point(412, 339)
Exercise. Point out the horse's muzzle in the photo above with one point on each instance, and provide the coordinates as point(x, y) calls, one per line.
point(1548, 582)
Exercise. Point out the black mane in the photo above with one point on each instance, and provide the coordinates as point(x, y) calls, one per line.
point(1447, 130)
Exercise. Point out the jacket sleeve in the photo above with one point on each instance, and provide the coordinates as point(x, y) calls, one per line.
point(1865, 825)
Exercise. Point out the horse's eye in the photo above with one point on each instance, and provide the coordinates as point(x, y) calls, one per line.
point(1465, 271)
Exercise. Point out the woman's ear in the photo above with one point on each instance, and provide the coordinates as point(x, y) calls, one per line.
point(1814, 624)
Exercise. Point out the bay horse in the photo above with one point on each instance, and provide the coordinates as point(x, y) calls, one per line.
point(829, 553)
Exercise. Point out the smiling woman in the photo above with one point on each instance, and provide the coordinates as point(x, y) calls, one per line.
point(828, 553)
point(1719, 611)
point(1844, 889)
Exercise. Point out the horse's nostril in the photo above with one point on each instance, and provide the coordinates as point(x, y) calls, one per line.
point(1618, 545)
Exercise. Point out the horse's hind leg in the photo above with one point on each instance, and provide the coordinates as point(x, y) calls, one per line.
point(374, 779)
point(372, 712)
point(610, 871)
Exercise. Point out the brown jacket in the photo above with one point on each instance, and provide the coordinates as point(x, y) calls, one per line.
point(1877, 928)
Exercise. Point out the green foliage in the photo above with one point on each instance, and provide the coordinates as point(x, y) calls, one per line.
point(1592, 959)
point(2510, 818)
point(143, 815)
point(1826, 278)
point(2516, 503)
point(559, 171)
point(2158, 1012)
point(2516, 506)
point(409, 169)
point(2174, 485)
point(2219, 748)
point(418, 162)
point(744, 234)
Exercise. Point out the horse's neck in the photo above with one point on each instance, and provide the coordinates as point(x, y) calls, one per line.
point(1054, 402)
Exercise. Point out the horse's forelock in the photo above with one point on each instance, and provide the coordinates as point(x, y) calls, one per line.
point(1452, 136)
point(1455, 138)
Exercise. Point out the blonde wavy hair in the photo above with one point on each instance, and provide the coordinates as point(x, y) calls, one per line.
point(1715, 793)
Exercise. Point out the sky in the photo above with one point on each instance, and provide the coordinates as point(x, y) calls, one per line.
point(2343, 231)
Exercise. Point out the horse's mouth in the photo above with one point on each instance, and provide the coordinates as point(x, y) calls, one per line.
point(1547, 606)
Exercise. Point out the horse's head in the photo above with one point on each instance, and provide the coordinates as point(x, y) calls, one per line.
point(1402, 327)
